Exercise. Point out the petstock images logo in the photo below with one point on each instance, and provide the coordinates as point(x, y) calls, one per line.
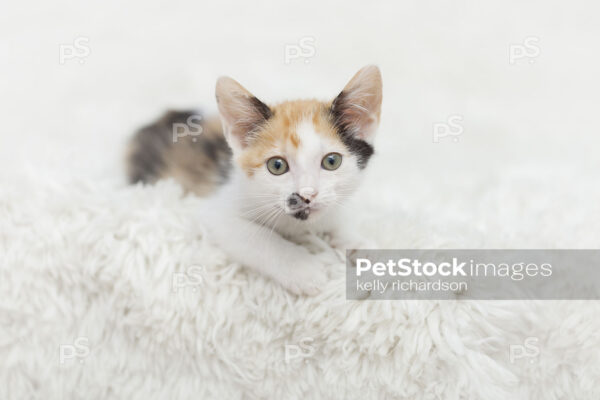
point(473, 274)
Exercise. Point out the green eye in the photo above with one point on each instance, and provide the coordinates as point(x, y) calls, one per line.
point(332, 161)
point(277, 165)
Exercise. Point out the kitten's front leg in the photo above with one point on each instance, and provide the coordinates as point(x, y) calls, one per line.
point(350, 240)
point(345, 233)
point(265, 251)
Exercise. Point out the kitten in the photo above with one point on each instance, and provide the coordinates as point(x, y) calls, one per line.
point(271, 172)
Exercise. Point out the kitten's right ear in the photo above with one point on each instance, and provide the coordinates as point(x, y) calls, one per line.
point(358, 107)
point(241, 112)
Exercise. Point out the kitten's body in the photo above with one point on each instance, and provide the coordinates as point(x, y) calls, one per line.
point(201, 163)
point(254, 203)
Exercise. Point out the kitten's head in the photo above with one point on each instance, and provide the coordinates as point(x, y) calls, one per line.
point(302, 157)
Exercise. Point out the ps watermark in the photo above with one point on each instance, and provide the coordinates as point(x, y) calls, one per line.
point(305, 49)
point(78, 350)
point(304, 350)
point(192, 277)
point(192, 127)
point(529, 50)
point(452, 128)
point(78, 50)
point(529, 349)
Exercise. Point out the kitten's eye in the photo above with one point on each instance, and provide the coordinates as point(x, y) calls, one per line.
point(332, 161)
point(277, 165)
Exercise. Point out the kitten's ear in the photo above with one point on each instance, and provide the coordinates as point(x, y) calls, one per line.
point(357, 108)
point(241, 112)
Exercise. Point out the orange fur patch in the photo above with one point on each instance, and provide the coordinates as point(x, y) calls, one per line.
point(279, 136)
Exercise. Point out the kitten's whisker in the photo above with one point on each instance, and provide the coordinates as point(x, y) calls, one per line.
point(251, 211)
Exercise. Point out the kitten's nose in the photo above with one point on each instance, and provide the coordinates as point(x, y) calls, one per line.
point(308, 193)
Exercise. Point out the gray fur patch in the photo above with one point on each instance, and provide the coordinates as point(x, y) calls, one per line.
point(199, 161)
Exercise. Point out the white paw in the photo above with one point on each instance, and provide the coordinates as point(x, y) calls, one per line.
point(305, 277)
point(341, 242)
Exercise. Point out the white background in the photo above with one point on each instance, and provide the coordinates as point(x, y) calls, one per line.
point(438, 59)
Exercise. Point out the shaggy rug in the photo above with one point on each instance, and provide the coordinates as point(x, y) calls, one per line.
point(111, 291)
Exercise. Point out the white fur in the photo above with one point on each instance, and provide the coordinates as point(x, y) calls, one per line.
point(248, 216)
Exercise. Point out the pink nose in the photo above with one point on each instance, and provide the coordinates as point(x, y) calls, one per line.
point(308, 192)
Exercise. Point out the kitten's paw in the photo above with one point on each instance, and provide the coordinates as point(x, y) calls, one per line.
point(305, 278)
point(352, 242)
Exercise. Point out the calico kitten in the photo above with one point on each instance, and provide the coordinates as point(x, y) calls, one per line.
point(270, 172)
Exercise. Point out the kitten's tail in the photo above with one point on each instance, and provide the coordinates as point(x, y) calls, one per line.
point(183, 146)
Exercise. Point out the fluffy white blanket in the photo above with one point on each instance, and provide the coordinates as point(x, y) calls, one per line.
point(111, 291)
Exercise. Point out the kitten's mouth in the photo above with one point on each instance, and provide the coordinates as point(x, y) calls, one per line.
point(302, 215)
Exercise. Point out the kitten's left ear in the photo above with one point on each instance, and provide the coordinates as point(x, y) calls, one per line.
point(357, 108)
